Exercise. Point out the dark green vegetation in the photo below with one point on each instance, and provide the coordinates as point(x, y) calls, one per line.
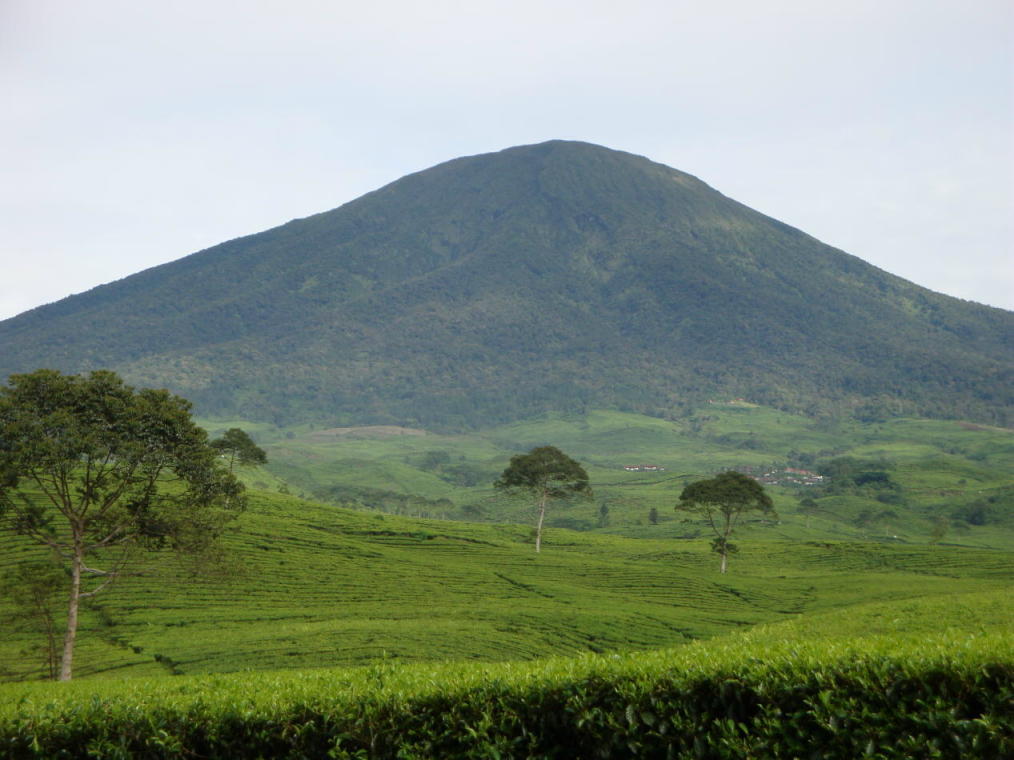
point(98, 473)
point(560, 276)
point(721, 501)
point(237, 447)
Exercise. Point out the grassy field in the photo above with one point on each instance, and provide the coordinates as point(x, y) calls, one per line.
point(942, 469)
point(308, 585)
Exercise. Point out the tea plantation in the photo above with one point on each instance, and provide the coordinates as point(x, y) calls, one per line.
point(351, 631)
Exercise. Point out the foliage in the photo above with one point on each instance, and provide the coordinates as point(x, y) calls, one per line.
point(722, 501)
point(552, 277)
point(938, 466)
point(95, 470)
point(392, 502)
point(545, 473)
point(238, 446)
point(311, 585)
point(939, 695)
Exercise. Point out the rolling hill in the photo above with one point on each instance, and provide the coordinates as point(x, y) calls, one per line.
point(307, 585)
point(559, 276)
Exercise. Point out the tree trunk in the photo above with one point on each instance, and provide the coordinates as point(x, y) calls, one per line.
point(75, 597)
point(725, 557)
point(51, 644)
point(538, 528)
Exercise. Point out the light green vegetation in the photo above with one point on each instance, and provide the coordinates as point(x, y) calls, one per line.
point(312, 585)
point(942, 468)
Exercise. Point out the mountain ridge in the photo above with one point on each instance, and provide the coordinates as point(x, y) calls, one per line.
point(615, 280)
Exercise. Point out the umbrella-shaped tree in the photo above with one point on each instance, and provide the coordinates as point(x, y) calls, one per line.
point(546, 474)
point(722, 501)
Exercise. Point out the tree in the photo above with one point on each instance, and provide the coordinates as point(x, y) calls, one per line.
point(545, 473)
point(940, 527)
point(99, 473)
point(653, 516)
point(722, 501)
point(236, 445)
point(865, 519)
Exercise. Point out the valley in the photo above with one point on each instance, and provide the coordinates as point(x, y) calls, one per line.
point(937, 469)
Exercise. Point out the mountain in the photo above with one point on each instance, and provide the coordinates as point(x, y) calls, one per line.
point(558, 276)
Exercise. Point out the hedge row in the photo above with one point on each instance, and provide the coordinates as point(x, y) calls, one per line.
point(945, 697)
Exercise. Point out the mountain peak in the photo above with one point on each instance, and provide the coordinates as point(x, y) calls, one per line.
point(558, 275)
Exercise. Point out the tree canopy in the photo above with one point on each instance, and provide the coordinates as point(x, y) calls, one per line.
point(545, 473)
point(97, 472)
point(237, 446)
point(721, 501)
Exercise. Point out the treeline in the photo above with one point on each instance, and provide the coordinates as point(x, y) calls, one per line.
point(392, 502)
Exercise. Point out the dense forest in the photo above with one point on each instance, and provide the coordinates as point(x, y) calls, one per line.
point(558, 276)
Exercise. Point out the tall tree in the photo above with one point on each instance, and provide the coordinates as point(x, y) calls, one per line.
point(237, 446)
point(546, 474)
point(722, 501)
point(99, 473)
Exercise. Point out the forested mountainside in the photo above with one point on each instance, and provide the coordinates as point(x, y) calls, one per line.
point(556, 276)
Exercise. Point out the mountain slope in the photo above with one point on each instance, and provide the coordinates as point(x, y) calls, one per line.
point(554, 276)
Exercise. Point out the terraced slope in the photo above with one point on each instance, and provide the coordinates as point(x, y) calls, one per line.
point(308, 585)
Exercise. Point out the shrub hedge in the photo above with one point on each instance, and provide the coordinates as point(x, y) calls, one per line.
point(944, 696)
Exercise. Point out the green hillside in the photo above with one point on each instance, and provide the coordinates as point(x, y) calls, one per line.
point(553, 277)
point(307, 585)
point(946, 481)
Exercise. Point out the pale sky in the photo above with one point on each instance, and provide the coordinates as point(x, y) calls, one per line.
point(136, 132)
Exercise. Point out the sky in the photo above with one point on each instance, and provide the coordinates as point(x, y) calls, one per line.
point(136, 133)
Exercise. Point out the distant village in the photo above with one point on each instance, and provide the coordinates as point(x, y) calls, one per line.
point(768, 475)
point(781, 476)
